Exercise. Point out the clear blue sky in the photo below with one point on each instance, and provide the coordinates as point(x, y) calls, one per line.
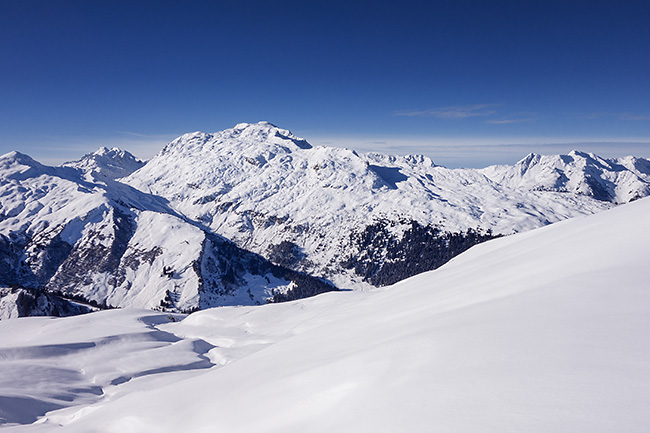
point(468, 83)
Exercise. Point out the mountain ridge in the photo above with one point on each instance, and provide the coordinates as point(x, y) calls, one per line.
point(617, 180)
point(254, 185)
point(354, 220)
point(112, 163)
point(109, 244)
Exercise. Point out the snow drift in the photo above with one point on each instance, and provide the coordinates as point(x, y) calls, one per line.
point(537, 332)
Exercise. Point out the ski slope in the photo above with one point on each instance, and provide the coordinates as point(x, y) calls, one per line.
point(544, 331)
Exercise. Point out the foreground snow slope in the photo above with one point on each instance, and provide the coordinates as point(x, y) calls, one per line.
point(544, 331)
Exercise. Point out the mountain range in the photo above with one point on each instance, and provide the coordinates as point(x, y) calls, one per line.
point(255, 214)
point(73, 239)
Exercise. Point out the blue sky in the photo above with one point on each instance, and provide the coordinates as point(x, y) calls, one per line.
point(469, 83)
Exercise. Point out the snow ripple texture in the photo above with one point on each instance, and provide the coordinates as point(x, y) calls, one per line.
point(543, 331)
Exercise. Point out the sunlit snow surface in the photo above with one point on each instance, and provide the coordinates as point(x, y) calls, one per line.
point(545, 331)
point(259, 185)
point(84, 235)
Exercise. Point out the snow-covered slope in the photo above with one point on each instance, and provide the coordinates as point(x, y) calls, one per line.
point(157, 238)
point(107, 163)
point(109, 244)
point(20, 302)
point(353, 218)
point(618, 180)
point(538, 332)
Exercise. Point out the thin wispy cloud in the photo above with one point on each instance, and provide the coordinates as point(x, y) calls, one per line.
point(133, 134)
point(619, 116)
point(630, 116)
point(595, 115)
point(506, 121)
point(454, 112)
point(513, 118)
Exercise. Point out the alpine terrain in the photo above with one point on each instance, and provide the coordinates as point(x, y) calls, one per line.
point(254, 214)
point(363, 220)
point(543, 331)
point(71, 238)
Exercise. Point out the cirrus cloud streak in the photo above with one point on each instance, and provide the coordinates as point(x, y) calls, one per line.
point(453, 112)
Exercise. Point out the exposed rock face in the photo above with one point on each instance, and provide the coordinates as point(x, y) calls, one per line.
point(109, 245)
point(17, 302)
point(242, 216)
point(307, 207)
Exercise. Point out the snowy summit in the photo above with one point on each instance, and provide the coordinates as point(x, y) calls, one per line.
point(349, 217)
point(107, 163)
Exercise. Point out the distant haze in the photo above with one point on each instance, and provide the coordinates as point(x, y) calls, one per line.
point(450, 152)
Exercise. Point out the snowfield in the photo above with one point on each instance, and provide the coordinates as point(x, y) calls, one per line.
point(544, 331)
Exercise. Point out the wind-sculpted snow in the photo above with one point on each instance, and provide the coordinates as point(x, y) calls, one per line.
point(544, 331)
point(271, 192)
point(69, 233)
point(56, 367)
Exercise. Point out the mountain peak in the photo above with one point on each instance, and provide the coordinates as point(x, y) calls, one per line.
point(108, 163)
point(582, 154)
point(20, 157)
point(579, 172)
point(527, 162)
point(261, 137)
point(112, 151)
point(266, 130)
point(263, 123)
point(14, 159)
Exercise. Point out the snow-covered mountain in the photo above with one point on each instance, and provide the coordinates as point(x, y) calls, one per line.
point(108, 244)
point(107, 163)
point(544, 331)
point(20, 302)
point(618, 180)
point(160, 237)
point(357, 219)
